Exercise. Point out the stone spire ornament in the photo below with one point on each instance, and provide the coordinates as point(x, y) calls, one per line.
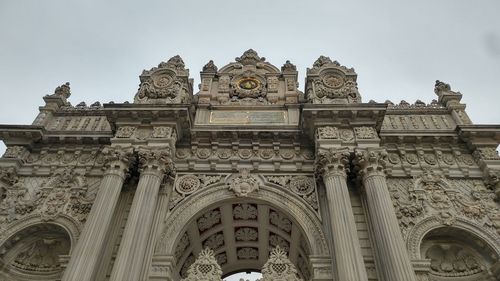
point(204, 268)
point(279, 268)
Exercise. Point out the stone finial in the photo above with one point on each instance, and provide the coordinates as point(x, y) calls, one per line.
point(323, 60)
point(250, 57)
point(443, 88)
point(174, 62)
point(63, 91)
point(210, 67)
point(279, 267)
point(288, 67)
point(205, 267)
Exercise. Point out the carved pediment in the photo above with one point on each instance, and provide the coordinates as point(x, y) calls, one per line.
point(330, 82)
point(250, 80)
point(166, 84)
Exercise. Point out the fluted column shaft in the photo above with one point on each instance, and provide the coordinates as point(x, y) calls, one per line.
point(393, 261)
point(347, 250)
point(154, 164)
point(86, 257)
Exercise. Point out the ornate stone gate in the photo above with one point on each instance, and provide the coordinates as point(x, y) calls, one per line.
point(250, 174)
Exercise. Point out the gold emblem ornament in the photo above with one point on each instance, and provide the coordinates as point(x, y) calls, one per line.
point(248, 83)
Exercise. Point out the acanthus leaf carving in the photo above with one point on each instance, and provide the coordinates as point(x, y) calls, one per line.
point(333, 162)
point(156, 159)
point(370, 162)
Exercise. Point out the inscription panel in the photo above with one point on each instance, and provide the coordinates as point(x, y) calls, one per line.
point(248, 117)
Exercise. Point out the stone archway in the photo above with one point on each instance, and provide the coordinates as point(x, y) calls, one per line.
point(34, 253)
point(242, 231)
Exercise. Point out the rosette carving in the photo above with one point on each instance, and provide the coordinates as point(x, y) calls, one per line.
point(370, 162)
point(156, 160)
point(333, 162)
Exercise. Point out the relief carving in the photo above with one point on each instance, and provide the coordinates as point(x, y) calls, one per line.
point(167, 83)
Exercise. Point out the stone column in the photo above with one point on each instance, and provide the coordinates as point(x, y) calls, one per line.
point(332, 166)
point(154, 164)
point(393, 262)
point(86, 256)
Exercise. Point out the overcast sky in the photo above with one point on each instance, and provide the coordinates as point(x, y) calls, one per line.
point(398, 48)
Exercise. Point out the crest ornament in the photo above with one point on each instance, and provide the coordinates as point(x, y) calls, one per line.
point(279, 268)
point(244, 184)
point(204, 268)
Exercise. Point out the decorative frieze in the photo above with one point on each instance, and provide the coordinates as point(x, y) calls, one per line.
point(66, 192)
point(433, 195)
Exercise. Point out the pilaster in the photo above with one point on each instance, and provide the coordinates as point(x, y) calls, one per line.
point(332, 166)
point(393, 262)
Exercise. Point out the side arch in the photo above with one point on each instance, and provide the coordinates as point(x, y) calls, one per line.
point(421, 229)
point(71, 226)
point(176, 221)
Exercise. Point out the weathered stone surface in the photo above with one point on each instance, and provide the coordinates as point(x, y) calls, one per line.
point(250, 174)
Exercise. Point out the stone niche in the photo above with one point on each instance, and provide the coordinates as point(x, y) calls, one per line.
point(457, 255)
point(35, 253)
point(249, 91)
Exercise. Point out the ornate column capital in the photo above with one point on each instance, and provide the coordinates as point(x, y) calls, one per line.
point(334, 162)
point(118, 158)
point(156, 160)
point(370, 162)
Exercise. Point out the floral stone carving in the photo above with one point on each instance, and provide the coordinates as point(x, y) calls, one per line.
point(204, 268)
point(329, 82)
point(167, 83)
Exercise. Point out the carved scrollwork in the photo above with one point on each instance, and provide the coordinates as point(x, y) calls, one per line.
point(329, 82)
point(333, 162)
point(303, 186)
point(431, 194)
point(167, 83)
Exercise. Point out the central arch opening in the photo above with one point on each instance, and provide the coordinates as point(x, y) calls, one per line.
point(246, 276)
point(242, 235)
